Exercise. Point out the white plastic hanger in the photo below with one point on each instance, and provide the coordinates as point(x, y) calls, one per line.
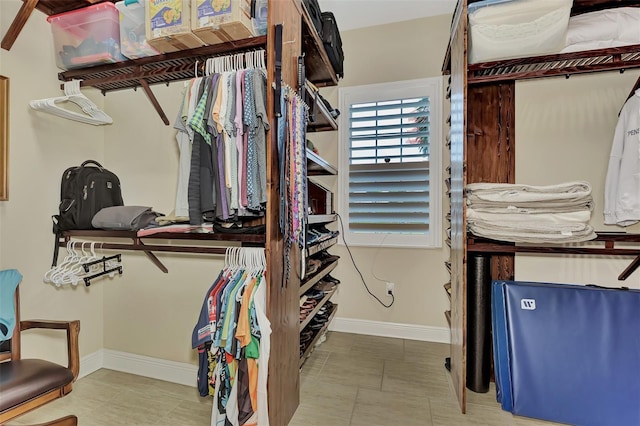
point(92, 114)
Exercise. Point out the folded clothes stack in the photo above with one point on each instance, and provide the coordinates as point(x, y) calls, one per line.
point(533, 214)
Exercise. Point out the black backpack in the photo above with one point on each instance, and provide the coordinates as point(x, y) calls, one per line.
point(84, 191)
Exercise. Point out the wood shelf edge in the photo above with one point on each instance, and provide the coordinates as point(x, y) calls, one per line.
point(324, 329)
point(311, 250)
point(313, 279)
point(315, 310)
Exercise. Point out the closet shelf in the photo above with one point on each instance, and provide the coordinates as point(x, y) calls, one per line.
point(615, 58)
point(316, 248)
point(324, 121)
point(318, 68)
point(136, 243)
point(320, 118)
point(315, 310)
point(320, 332)
point(163, 68)
point(447, 289)
point(482, 245)
point(313, 279)
point(315, 219)
point(317, 166)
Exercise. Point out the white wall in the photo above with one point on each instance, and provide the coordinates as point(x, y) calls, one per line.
point(41, 148)
point(394, 52)
point(564, 130)
point(147, 312)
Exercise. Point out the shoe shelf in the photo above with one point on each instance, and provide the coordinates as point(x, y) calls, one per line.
point(315, 310)
point(318, 68)
point(447, 289)
point(317, 166)
point(320, 118)
point(310, 281)
point(307, 352)
point(322, 245)
point(315, 219)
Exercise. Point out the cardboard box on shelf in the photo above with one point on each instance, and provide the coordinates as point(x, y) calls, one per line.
point(168, 26)
point(217, 21)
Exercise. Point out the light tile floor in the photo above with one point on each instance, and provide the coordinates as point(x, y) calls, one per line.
point(350, 380)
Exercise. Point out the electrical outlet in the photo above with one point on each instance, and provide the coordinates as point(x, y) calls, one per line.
point(391, 288)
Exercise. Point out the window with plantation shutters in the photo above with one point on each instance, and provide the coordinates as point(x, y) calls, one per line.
point(390, 149)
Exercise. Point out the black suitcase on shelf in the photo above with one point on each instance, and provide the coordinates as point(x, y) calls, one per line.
point(315, 14)
point(333, 42)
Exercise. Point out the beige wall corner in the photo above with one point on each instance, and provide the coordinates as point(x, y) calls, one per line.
point(41, 148)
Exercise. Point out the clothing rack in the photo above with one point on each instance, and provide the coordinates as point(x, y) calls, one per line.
point(137, 244)
point(163, 68)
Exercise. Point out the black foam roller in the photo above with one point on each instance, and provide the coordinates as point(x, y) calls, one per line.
point(479, 322)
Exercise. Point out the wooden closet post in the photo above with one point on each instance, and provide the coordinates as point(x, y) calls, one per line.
point(282, 300)
point(490, 146)
point(458, 60)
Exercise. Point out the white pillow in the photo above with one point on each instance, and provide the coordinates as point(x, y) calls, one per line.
point(621, 24)
point(518, 28)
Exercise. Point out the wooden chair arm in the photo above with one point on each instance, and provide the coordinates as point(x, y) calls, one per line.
point(73, 330)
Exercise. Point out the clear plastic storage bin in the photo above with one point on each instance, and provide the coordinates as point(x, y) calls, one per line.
point(86, 37)
point(133, 38)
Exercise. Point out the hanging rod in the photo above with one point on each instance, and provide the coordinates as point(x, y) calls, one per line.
point(164, 68)
point(483, 245)
point(136, 243)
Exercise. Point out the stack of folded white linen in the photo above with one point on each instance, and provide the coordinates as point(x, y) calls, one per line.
point(532, 214)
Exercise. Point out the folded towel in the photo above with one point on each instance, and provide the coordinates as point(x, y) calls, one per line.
point(505, 194)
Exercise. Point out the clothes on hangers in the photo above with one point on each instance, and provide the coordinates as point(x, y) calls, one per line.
point(222, 117)
point(622, 187)
point(82, 265)
point(232, 336)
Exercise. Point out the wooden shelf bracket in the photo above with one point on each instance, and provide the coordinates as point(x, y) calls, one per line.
point(18, 23)
point(154, 101)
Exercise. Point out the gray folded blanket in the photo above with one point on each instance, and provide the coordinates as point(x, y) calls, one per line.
point(124, 218)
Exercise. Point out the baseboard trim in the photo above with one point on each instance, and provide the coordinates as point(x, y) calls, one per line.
point(91, 363)
point(391, 329)
point(169, 371)
point(185, 374)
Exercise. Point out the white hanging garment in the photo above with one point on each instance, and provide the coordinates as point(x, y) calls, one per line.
point(91, 113)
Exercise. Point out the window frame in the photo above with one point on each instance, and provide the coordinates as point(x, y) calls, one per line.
point(431, 87)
